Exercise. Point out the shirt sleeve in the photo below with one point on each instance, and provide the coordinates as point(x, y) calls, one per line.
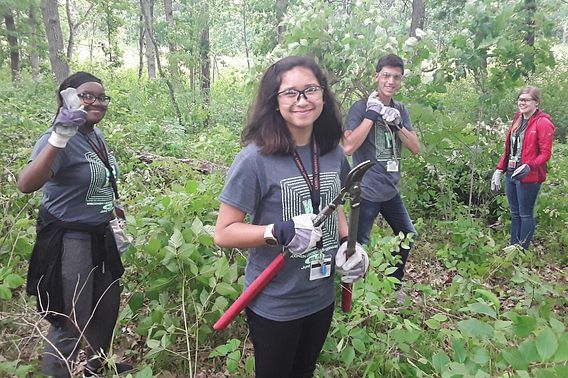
point(355, 115)
point(242, 188)
point(40, 145)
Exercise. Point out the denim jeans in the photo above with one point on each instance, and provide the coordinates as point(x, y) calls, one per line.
point(522, 198)
point(394, 212)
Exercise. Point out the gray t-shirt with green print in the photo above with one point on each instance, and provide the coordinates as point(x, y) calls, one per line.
point(80, 189)
point(378, 184)
point(270, 188)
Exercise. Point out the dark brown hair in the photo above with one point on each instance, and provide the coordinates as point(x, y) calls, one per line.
point(265, 125)
point(390, 60)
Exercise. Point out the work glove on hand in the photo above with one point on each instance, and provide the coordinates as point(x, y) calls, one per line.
point(69, 118)
point(391, 115)
point(496, 180)
point(299, 234)
point(374, 106)
point(521, 172)
point(354, 268)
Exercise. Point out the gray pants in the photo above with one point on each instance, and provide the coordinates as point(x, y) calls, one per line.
point(90, 321)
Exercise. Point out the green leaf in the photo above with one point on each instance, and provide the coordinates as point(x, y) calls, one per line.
point(557, 326)
point(475, 328)
point(176, 240)
point(546, 343)
point(13, 280)
point(145, 373)
point(458, 347)
point(225, 289)
point(480, 356)
point(523, 325)
point(562, 352)
point(528, 350)
point(480, 308)
point(515, 359)
point(347, 356)
point(136, 301)
point(490, 297)
point(440, 360)
point(5, 292)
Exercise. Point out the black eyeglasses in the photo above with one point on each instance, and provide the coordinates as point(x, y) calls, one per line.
point(89, 98)
point(310, 93)
point(523, 100)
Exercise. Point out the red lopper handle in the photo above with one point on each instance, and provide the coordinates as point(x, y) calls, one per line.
point(248, 295)
point(346, 296)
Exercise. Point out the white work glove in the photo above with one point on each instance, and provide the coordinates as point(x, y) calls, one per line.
point(521, 172)
point(496, 180)
point(354, 268)
point(298, 235)
point(69, 118)
point(374, 106)
point(391, 115)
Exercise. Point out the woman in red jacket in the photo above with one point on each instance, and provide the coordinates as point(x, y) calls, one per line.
point(527, 149)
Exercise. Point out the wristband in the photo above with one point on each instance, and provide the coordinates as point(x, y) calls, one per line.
point(372, 115)
point(343, 240)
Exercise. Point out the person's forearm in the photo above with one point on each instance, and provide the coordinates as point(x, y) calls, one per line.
point(353, 139)
point(38, 171)
point(240, 235)
point(410, 140)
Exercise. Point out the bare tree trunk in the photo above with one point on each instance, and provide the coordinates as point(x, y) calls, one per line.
point(418, 16)
point(204, 53)
point(281, 8)
point(13, 42)
point(172, 60)
point(530, 6)
point(34, 57)
point(142, 31)
point(148, 11)
point(71, 39)
point(245, 4)
point(50, 15)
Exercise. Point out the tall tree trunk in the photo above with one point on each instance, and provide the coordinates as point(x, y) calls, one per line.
point(13, 42)
point(50, 15)
point(204, 53)
point(245, 31)
point(34, 56)
point(418, 16)
point(148, 11)
point(142, 32)
point(281, 8)
point(530, 6)
point(71, 39)
point(172, 60)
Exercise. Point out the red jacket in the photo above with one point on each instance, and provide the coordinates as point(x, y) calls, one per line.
point(537, 146)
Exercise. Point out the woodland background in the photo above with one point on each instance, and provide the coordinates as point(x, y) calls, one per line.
point(182, 73)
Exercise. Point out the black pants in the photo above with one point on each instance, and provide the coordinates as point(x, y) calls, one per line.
point(288, 349)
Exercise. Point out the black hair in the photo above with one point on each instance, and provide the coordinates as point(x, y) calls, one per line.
point(265, 125)
point(390, 60)
point(74, 81)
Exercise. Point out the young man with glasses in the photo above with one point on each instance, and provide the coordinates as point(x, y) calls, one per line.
point(376, 130)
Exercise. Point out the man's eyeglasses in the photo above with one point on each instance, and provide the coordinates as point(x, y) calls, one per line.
point(388, 75)
point(523, 100)
point(89, 98)
point(311, 93)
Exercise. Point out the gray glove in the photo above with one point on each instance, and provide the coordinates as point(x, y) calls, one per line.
point(521, 172)
point(69, 118)
point(374, 106)
point(496, 180)
point(298, 235)
point(391, 115)
point(354, 268)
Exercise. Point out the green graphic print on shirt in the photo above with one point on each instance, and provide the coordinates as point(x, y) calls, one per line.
point(100, 189)
point(296, 200)
point(383, 143)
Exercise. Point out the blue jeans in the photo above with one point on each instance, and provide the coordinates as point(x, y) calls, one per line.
point(522, 198)
point(394, 212)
